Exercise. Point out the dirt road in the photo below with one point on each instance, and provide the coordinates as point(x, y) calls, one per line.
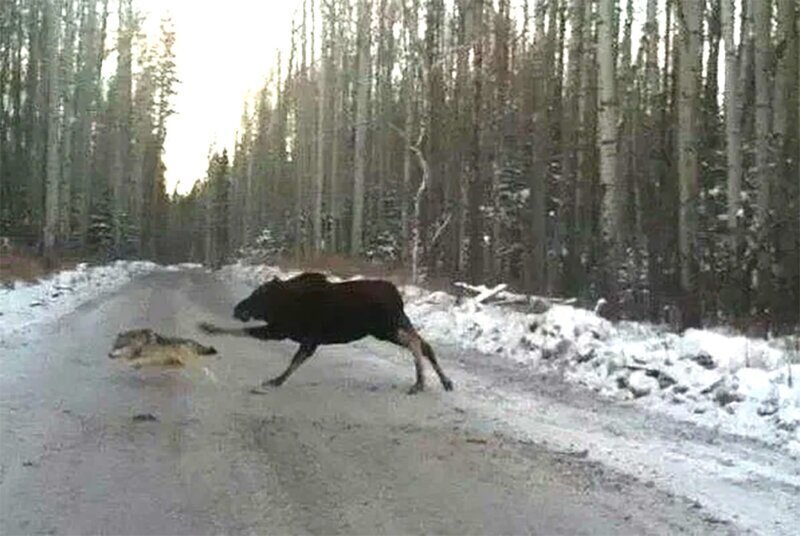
point(340, 448)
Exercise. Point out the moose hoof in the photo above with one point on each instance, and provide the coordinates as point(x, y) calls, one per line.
point(258, 390)
point(274, 382)
point(447, 384)
point(416, 388)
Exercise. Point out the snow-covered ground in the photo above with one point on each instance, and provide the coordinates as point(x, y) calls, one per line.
point(24, 304)
point(747, 387)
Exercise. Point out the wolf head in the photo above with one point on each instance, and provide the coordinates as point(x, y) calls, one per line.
point(129, 344)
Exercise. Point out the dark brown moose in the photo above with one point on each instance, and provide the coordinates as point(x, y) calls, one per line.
point(313, 311)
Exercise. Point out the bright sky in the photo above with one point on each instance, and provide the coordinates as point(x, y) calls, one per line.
point(224, 53)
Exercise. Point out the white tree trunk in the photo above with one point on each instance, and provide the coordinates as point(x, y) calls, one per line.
point(423, 184)
point(607, 129)
point(409, 120)
point(320, 178)
point(732, 121)
point(247, 225)
point(337, 42)
point(363, 83)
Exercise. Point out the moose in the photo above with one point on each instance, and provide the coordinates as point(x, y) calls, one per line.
point(313, 311)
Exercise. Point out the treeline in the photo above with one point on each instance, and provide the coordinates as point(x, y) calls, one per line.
point(534, 143)
point(81, 168)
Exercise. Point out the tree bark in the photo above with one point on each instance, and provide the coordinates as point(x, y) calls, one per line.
point(51, 29)
point(67, 76)
point(363, 83)
point(476, 178)
point(320, 178)
point(732, 125)
point(761, 21)
point(338, 105)
point(607, 140)
point(689, 78)
point(651, 53)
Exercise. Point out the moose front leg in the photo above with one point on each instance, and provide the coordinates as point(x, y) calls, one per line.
point(304, 352)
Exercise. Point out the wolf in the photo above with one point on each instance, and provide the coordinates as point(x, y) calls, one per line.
point(145, 347)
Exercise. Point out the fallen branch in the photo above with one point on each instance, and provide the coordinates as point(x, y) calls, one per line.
point(503, 297)
point(489, 293)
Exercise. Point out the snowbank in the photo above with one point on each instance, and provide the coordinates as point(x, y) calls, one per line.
point(732, 383)
point(25, 304)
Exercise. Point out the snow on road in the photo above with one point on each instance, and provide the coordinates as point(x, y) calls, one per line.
point(25, 304)
point(734, 384)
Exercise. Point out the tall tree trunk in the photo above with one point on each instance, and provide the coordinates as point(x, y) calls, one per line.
point(67, 75)
point(746, 70)
point(732, 125)
point(786, 197)
point(51, 28)
point(84, 110)
point(586, 121)
point(651, 53)
point(408, 84)
point(337, 44)
point(536, 269)
point(476, 177)
point(120, 170)
point(763, 51)
point(613, 188)
point(462, 129)
point(711, 126)
point(570, 138)
point(34, 116)
point(363, 84)
point(689, 83)
point(320, 176)
point(6, 33)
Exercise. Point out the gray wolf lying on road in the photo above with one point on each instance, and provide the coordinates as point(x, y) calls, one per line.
point(145, 347)
point(312, 311)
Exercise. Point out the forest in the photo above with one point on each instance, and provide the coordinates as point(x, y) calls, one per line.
point(646, 152)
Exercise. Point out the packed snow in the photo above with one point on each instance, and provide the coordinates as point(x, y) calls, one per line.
point(737, 385)
point(25, 304)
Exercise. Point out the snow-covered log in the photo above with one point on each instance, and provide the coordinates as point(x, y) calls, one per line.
point(498, 295)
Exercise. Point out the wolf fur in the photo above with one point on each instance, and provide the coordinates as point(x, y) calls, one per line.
point(145, 347)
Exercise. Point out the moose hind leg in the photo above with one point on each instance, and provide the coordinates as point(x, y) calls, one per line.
point(410, 339)
point(304, 352)
point(447, 383)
